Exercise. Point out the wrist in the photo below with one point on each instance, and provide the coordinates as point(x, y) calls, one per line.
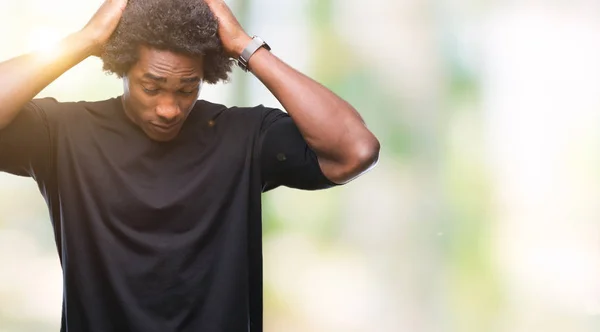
point(89, 41)
point(254, 46)
point(240, 45)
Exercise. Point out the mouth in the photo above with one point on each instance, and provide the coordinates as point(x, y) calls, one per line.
point(164, 128)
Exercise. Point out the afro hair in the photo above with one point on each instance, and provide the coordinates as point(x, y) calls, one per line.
point(182, 26)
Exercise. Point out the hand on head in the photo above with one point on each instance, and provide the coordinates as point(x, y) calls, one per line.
point(104, 22)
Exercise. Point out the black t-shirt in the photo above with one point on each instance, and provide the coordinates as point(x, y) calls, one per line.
point(158, 236)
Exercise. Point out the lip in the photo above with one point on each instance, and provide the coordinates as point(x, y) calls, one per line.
point(164, 127)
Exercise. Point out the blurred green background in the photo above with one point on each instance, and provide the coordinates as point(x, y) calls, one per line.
point(483, 212)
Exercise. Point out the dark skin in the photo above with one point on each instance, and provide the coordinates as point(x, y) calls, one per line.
point(160, 91)
point(332, 128)
point(25, 76)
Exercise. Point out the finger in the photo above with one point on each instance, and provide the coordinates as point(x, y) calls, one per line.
point(216, 4)
point(120, 3)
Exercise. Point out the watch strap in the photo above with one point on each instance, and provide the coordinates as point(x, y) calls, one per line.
point(250, 49)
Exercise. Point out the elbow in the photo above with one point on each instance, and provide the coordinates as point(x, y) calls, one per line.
point(364, 157)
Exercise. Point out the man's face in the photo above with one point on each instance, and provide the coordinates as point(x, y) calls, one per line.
point(161, 90)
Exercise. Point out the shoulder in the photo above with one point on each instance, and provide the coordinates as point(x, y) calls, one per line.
point(258, 115)
point(76, 117)
point(54, 108)
point(235, 121)
point(51, 103)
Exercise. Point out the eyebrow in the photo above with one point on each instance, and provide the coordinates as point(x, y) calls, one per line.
point(190, 79)
point(164, 79)
point(155, 78)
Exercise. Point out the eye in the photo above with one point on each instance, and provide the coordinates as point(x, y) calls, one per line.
point(151, 92)
point(188, 92)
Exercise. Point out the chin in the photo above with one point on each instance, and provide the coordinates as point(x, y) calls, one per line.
point(162, 137)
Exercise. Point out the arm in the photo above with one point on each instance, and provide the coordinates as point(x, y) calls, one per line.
point(23, 77)
point(331, 127)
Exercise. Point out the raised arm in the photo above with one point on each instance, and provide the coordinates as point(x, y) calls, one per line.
point(23, 77)
point(330, 126)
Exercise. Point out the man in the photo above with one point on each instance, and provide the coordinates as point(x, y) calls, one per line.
point(155, 196)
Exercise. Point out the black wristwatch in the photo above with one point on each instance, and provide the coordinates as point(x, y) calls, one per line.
point(252, 47)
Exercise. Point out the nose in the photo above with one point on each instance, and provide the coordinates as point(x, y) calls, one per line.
point(168, 112)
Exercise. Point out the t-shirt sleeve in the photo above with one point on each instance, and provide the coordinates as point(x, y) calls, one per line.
point(25, 142)
point(285, 157)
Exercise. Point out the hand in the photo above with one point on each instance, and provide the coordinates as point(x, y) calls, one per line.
point(103, 23)
point(232, 35)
